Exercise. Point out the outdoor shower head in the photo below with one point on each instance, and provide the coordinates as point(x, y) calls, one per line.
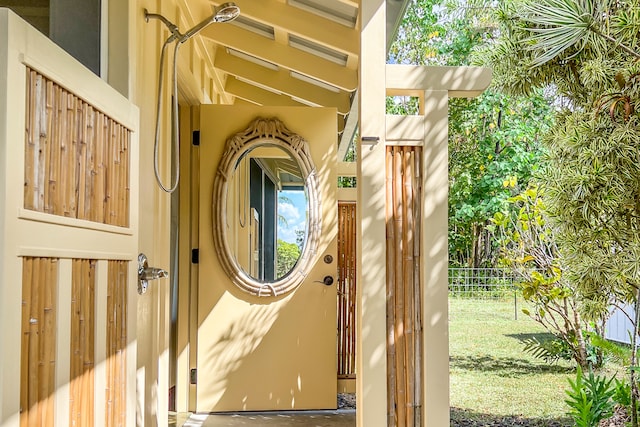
point(224, 13)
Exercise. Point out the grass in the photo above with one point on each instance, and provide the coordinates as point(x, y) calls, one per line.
point(491, 376)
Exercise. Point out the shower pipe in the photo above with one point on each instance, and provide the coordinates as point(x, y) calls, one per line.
point(226, 12)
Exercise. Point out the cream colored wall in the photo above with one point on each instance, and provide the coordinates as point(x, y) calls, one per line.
point(153, 313)
point(196, 85)
point(371, 309)
point(267, 353)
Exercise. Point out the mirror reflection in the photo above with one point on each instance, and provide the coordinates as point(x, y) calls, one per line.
point(267, 213)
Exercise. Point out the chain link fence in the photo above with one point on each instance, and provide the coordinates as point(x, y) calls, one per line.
point(482, 283)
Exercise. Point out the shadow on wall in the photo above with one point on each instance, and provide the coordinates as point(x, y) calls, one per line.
point(266, 358)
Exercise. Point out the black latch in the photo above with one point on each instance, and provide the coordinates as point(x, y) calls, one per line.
point(195, 138)
point(193, 376)
point(195, 256)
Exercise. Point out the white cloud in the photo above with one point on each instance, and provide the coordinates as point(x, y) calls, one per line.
point(293, 208)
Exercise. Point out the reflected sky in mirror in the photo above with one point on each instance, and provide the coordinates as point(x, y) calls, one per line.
point(267, 213)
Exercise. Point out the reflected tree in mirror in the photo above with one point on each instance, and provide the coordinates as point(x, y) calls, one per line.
point(268, 188)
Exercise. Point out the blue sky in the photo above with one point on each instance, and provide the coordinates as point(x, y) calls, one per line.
point(293, 208)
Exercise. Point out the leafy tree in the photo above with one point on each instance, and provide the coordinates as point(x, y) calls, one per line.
point(587, 52)
point(492, 138)
point(288, 254)
point(529, 249)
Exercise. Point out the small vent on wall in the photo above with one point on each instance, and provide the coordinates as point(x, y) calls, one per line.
point(335, 10)
point(318, 50)
point(254, 26)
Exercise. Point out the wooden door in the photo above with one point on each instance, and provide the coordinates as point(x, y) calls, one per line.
point(266, 352)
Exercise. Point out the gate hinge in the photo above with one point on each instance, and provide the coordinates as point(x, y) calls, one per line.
point(195, 256)
point(195, 138)
point(193, 376)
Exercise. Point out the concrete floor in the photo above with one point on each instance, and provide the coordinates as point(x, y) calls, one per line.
point(341, 418)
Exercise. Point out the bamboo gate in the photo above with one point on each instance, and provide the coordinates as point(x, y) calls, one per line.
point(77, 166)
point(346, 290)
point(404, 299)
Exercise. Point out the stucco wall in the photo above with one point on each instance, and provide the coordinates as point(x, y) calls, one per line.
point(276, 352)
point(196, 85)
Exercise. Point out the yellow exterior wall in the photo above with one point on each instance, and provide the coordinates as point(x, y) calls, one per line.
point(371, 347)
point(196, 85)
point(267, 353)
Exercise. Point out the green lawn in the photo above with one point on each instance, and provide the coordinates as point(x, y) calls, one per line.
point(491, 377)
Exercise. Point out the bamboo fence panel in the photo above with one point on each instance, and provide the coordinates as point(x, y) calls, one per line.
point(82, 374)
point(346, 289)
point(38, 347)
point(404, 297)
point(116, 344)
point(76, 157)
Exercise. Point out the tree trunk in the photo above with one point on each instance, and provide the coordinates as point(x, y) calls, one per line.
point(632, 375)
point(581, 351)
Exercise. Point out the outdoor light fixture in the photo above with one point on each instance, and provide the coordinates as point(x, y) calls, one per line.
point(371, 141)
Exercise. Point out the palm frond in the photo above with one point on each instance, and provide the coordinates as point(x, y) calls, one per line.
point(557, 26)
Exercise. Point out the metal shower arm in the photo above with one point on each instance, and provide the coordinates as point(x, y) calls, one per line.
point(173, 28)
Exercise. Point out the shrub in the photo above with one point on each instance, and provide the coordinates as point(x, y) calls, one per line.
point(590, 399)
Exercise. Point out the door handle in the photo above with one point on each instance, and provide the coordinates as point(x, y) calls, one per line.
point(146, 273)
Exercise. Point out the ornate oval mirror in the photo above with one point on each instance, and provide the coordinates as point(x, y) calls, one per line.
point(266, 211)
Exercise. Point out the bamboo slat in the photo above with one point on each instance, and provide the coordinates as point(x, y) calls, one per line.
point(46, 134)
point(89, 164)
point(125, 181)
point(27, 279)
point(417, 293)
point(64, 141)
point(35, 407)
point(346, 289)
point(50, 332)
point(82, 161)
point(390, 267)
point(399, 285)
point(116, 344)
point(31, 143)
point(76, 157)
point(351, 274)
point(70, 157)
point(40, 127)
point(55, 153)
point(341, 293)
point(37, 369)
point(110, 215)
point(81, 390)
point(404, 296)
point(407, 272)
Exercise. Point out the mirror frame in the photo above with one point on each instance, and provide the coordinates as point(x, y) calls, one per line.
point(263, 131)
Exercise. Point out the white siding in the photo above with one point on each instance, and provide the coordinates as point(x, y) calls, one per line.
point(618, 328)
